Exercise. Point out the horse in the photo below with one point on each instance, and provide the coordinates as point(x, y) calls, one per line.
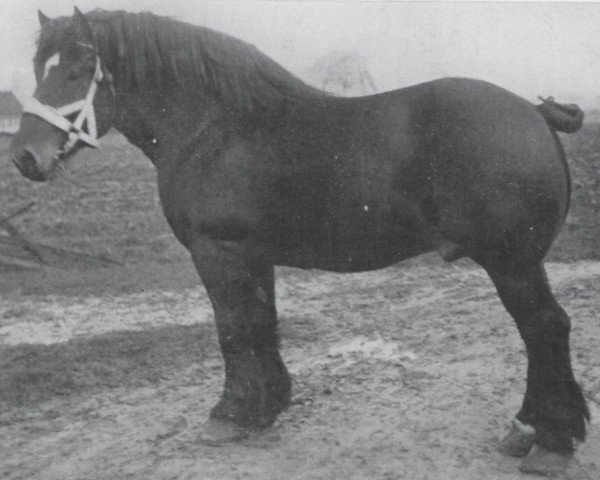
point(255, 169)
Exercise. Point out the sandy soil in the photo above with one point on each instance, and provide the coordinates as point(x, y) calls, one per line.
point(413, 372)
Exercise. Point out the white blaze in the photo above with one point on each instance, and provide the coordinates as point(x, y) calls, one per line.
point(51, 62)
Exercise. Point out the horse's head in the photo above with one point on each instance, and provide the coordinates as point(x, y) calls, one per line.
point(74, 102)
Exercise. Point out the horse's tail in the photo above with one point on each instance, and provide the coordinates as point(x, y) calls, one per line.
point(569, 178)
point(561, 117)
point(566, 118)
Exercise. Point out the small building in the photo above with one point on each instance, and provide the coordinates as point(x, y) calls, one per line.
point(10, 112)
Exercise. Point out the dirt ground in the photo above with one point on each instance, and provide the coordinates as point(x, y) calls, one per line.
point(413, 372)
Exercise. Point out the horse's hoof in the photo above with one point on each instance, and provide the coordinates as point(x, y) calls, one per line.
point(216, 432)
point(544, 462)
point(518, 441)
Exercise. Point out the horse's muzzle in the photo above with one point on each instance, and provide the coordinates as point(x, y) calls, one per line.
point(28, 165)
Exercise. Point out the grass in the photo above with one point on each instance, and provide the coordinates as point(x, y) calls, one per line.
point(108, 204)
point(36, 373)
point(579, 237)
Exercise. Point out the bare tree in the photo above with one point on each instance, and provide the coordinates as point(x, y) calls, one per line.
point(344, 73)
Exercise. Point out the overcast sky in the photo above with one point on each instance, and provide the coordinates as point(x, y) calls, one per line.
point(530, 48)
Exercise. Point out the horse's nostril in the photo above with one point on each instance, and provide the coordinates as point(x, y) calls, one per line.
point(27, 164)
point(28, 160)
point(25, 161)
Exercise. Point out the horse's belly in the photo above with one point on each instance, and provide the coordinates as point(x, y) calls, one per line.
point(359, 244)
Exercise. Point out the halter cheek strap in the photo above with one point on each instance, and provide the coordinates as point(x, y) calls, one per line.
point(58, 116)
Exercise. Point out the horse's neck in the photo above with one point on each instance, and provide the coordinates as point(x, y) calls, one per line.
point(155, 121)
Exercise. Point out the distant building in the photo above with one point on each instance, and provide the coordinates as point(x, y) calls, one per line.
point(10, 112)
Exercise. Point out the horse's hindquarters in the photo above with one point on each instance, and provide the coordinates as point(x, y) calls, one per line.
point(500, 181)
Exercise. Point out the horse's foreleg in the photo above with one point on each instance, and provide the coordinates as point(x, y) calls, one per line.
point(553, 411)
point(257, 385)
point(265, 342)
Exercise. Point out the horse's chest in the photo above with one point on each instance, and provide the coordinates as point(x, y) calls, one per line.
point(211, 204)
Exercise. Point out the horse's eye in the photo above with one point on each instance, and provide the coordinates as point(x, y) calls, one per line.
point(78, 71)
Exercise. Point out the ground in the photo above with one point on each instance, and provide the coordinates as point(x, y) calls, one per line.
point(408, 372)
point(412, 372)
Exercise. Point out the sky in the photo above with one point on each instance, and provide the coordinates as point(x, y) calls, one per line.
point(533, 48)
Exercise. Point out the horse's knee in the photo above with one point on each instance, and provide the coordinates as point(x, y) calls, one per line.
point(548, 324)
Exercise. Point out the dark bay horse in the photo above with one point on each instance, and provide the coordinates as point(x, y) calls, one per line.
point(257, 169)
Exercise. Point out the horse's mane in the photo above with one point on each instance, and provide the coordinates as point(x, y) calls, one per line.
point(143, 49)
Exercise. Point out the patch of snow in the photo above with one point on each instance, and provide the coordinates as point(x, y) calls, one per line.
point(372, 348)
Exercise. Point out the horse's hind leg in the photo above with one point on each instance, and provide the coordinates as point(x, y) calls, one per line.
point(553, 411)
point(257, 385)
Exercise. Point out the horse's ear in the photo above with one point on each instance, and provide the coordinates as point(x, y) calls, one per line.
point(82, 31)
point(42, 18)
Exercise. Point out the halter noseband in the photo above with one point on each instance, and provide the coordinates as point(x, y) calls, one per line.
point(58, 116)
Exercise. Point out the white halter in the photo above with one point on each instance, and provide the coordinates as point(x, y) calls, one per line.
point(58, 116)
